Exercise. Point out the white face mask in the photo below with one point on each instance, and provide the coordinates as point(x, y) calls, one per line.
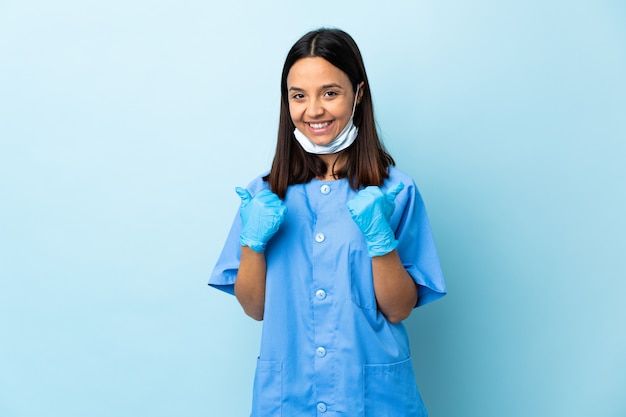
point(341, 142)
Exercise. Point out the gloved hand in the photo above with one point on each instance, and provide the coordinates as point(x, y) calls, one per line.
point(371, 211)
point(261, 216)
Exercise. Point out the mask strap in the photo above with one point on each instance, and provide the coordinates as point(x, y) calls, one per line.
point(356, 97)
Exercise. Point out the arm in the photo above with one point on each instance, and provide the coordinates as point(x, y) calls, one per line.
point(261, 216)
point(395, 290)
point(250, 282)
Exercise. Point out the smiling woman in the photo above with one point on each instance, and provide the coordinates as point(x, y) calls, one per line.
point(328, 57)
point(321, 102)
point(332, 249)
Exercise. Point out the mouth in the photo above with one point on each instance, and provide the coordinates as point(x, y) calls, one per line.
point(319, 127)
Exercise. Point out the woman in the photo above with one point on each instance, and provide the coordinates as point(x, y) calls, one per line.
point(332, 249)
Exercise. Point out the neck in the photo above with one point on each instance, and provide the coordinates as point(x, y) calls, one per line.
point(334, 162)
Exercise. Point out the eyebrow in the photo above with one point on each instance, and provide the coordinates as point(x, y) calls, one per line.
point(325, 86)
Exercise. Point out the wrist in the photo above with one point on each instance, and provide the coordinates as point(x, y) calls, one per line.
point(382, 244)
point(248, 252)
point(258, 247)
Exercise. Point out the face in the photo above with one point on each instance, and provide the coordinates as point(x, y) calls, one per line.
point(320, 99)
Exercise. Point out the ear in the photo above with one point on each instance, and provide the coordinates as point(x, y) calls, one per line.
point(361, 85)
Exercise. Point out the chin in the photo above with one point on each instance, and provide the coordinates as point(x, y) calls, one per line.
point(321, 141)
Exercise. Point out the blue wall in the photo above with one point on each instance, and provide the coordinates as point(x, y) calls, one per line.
point(126, 125)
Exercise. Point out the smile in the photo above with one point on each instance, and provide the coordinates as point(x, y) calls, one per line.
point(319, 125)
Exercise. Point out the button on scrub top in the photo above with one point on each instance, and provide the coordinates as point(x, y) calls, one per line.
point(325, 347)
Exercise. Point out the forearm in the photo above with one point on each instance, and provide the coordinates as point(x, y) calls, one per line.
point(395, 290)
point(250, 283)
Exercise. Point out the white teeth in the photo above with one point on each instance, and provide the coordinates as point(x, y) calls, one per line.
point(319, 125)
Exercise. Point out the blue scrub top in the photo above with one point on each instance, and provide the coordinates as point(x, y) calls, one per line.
point(326, 350)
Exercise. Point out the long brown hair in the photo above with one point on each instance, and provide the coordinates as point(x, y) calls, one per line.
point(367, 160)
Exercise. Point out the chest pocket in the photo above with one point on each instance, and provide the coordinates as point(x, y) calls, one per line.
point(361, 281)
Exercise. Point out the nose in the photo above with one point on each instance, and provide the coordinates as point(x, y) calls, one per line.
point(314, 108)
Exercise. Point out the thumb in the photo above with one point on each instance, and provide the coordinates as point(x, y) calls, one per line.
point(393, 191)
point(244, 195)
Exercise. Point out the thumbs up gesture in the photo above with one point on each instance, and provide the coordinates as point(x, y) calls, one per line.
point(371, 210)
point(261, 216)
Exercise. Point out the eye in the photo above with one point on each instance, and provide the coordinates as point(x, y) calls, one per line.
point(330, 93)
point(298, 96)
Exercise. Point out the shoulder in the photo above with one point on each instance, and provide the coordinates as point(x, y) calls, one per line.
point(396, 175)
point(410, 192)
point(258, 184)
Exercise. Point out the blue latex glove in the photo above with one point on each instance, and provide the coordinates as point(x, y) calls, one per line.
point(371, 211)
point(261, 216)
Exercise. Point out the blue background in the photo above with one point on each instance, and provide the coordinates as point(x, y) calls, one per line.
point(126, 125)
